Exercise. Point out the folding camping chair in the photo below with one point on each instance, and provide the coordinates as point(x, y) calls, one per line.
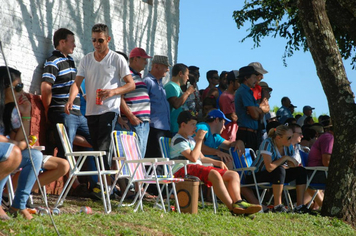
point(76, 169)
point(164, 143)
point(137, 173)
point(243, 166)
point(314, 186)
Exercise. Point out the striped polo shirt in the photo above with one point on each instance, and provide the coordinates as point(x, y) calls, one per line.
point(60, 71)
point(138, 99)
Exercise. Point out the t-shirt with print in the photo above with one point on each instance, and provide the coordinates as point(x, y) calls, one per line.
point(178, 145)
point(267, 147)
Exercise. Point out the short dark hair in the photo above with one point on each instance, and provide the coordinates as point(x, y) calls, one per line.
point(193, 68)
point(60, 34)
point(179, 67)
point(284, 99)
point(210, 74)
point(185, 117)
point(100, 28)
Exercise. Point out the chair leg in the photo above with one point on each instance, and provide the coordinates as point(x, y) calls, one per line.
point(65, 190)
point(201, 196)
point(215, 200)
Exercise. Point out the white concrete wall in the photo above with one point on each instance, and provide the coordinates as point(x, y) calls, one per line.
point(27, 27)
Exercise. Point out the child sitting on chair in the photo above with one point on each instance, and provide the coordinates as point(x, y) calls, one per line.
point(226, 183)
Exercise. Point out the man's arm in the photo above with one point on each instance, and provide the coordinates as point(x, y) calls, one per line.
point(74, 90)
point(128, 87)
point(126, 110)
point(206, 150)
point(256, 113)
point(178, 102)
point(46, 95)
point(325, 158)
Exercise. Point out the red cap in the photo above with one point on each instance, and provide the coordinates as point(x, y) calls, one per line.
point(139, 52)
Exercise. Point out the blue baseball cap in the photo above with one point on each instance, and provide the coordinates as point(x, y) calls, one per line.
point(216, 113)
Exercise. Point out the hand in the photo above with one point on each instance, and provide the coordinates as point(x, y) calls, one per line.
point(68, 107)
point(24, 104)
point(106, 93)
point(239, 147)
point(225, 157)
point(221, 165)
point(135, 121)
point(234, 117)
point(200, 134)
point(123, 123)
point(191, 90)
point(292, 162)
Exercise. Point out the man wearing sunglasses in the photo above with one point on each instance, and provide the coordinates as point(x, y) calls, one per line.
point(58, 75)
point(107, 77)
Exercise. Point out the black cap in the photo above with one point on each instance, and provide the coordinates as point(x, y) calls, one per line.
point(247, 70)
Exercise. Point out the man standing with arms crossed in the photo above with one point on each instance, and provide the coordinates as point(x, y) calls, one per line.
point(103, 70)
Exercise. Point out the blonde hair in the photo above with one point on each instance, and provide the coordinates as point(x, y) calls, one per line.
point(279, 130)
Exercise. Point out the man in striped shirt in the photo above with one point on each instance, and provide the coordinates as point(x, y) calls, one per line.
point(58, 75)
point(135, 105)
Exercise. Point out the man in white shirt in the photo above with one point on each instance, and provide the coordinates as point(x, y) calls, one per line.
point(108, 72)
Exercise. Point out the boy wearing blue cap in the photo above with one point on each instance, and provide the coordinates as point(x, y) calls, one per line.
point(226, 183)
point(214, 125)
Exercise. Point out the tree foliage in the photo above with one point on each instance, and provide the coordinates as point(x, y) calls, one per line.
point(280, 18)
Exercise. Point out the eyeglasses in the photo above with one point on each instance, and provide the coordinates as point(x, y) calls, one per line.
point(99, 40)
point(289, 138)
point(19, 87)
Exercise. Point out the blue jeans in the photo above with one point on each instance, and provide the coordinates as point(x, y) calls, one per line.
point(142, 130)
point(27, 177)
point(74, 125)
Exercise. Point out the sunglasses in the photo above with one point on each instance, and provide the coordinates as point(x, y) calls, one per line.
point(289, 138)
point(99, 40)
point(19, 87)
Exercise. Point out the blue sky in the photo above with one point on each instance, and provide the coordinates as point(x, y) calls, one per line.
point(209, 39)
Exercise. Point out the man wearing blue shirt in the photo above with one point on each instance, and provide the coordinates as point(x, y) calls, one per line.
point(214, 125)
point(284, 112)
point(160, 114)
point(247, 109)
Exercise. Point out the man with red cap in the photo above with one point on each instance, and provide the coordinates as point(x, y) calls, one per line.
point(135, 105)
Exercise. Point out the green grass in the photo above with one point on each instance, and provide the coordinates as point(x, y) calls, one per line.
point(154, 222)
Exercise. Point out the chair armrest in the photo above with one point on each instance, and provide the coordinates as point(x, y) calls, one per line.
point(185, 162)
point(144, 160)
point(252, 168)
point(86, 153)
point(322, 168)
point(119, 158)
point(207, 164)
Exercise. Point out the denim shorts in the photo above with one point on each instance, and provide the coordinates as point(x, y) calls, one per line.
point(5, 150)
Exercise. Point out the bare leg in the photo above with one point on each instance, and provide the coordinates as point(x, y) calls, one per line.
point(277, 193)
point(232, 180)
point(300, 194)
point(220, 189)
point(55, 168)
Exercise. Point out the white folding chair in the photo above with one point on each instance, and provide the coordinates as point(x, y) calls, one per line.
point(136, 168)
point(76, 169)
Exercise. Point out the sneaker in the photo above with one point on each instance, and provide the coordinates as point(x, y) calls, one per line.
point(243, 207)
point(96, 192)
point(280, 209)
point(302, 210)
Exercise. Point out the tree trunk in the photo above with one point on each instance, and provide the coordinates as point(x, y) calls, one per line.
point(340, 194)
